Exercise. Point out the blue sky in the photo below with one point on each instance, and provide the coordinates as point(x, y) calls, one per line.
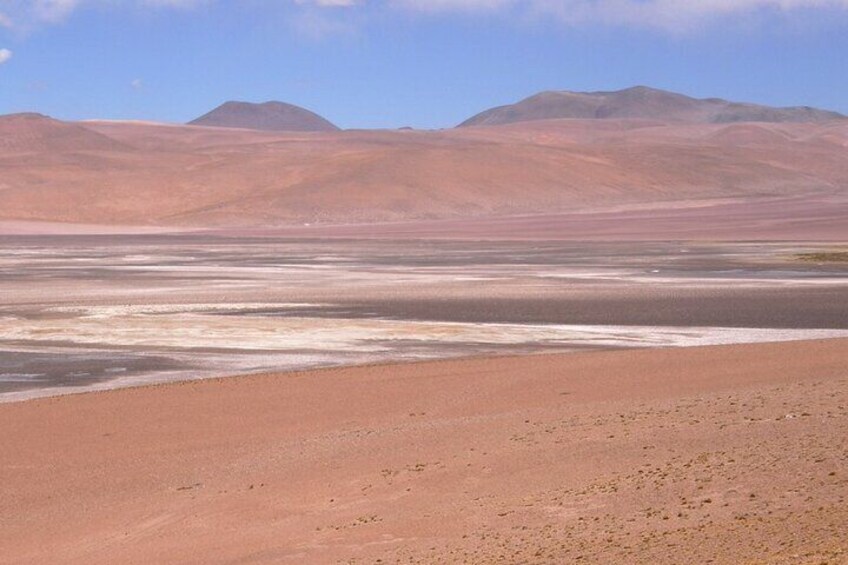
point(423, 63)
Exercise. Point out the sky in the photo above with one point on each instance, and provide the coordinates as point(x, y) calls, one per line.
point(419, 63)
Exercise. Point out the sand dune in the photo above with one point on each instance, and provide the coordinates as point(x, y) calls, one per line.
point(718, 454)
point(146, 174)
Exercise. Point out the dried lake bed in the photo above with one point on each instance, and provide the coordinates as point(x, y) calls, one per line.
point(96, 312)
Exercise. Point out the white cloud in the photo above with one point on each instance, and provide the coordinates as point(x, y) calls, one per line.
point(5, 55)
point(52, 11)
point(434, 6)
point(309, 15)
point(173, 3)
point(670, 15)
point(328, 3)
point(27, 14)
point(23, 14)
point(312, 24)
point(137, 84)
point(319, 19)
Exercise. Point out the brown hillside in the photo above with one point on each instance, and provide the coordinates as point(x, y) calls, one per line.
point(148, 174)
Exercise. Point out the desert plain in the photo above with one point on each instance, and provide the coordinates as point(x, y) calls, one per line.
point(556, 342)
point(647, 402)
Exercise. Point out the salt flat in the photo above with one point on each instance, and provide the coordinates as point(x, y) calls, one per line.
point(97, 312)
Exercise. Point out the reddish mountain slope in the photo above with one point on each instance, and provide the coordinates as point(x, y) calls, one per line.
point(147, 174)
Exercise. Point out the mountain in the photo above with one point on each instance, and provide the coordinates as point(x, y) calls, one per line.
point(166, 175)
point(270, 116)
point(641, 102)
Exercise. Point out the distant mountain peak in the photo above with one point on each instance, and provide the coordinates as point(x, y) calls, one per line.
point(641, 102)
point(268, 116)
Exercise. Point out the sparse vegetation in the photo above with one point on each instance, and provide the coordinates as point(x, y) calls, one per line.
point(824, 257)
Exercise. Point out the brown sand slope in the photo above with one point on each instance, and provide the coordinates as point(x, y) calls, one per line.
point(38, 134)
point(190, 176)
point(720, 454)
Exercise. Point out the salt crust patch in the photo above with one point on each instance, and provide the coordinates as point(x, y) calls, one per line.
point(199, 326)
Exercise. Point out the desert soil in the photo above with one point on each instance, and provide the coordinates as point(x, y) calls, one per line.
point(727, 454)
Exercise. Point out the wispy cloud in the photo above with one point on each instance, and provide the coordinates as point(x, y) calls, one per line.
point(677, 16)
point(329, 3)
point(326, 17)
point(318, 26)
point(55, 10)
point(318, 19)
point(23, 15)
point(436, 6)
point(669, 15)
point(5, 55)
point(174, 3)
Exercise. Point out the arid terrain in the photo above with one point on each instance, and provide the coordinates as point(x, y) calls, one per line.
point(733, 454)
point(646, 419)
point(600, 338)
point(136, 174)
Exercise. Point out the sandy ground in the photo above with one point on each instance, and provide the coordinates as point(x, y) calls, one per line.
point(820, 217)
point(9, 227)
point(815, 218)
point(732, 454)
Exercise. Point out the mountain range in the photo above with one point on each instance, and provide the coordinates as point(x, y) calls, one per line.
point(122, 173)
point(641, 102)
